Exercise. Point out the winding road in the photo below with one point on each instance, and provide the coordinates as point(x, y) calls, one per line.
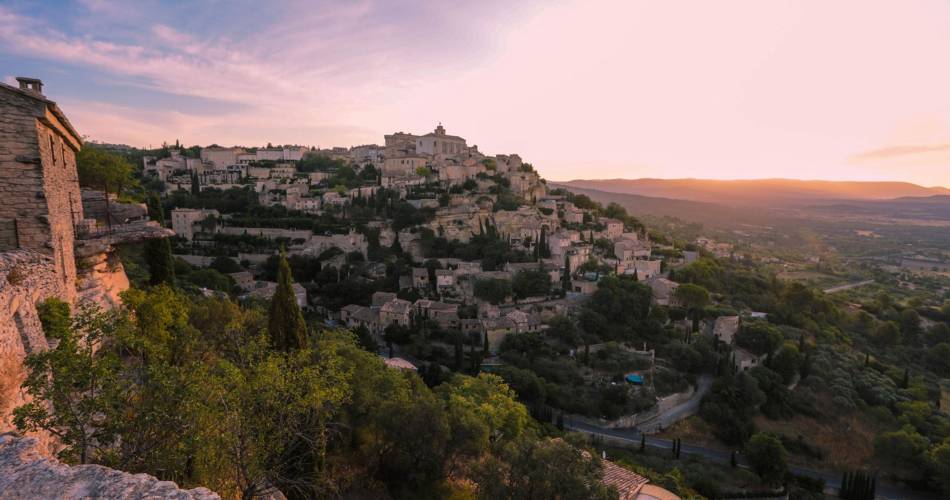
point(848, 286)
point(832, 479)
point(683, 410)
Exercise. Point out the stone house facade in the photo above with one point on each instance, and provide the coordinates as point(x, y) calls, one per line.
point(38, 179)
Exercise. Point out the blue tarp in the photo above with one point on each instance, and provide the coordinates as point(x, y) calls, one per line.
point(633, 378)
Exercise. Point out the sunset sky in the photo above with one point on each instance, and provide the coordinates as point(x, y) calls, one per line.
point(582, 89)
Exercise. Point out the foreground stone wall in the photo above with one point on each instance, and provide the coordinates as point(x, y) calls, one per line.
point(26, 279)
point(26, 473)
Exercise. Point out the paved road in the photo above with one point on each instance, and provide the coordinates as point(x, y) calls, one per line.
point(832, 479)
point(841, 288)
point(683, 410)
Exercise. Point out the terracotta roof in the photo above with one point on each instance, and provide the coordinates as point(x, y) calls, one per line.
point(399, 363)
point(380, 298)
point(628, 483)
point(397, 306)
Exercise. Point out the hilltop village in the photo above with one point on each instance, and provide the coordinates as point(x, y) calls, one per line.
point(423, 227)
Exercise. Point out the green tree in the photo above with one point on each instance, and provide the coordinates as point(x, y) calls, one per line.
point(938, 358)
point(730, 405)
point(99, 169)
point(693, 298)
point(533, 469)
point(490, 398)
point(256, 420)
point(563, 328)
point(424, 172)
point(618, 310)
point(73, 385)
point(886, 333)
point(531, 283)
point(286, 325)
point(767, 457)
point(786, 362)
point(903, 449)
point(492, 290)
point(158, 252)
point(759, 337)
point(939, 459)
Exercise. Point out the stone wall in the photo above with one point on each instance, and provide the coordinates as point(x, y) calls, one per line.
point(21, 176)
point(26, 279)
point(61, 191)
point(38, 180)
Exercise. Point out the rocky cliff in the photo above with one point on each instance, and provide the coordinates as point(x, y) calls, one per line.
point(26, 473)
point(26, 279)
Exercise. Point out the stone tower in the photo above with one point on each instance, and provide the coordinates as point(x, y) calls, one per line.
point(39, 185)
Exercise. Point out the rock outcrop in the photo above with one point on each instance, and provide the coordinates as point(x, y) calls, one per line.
point(27, 473)
point(26, 279)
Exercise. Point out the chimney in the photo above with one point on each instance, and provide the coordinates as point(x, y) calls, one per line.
point(34, 85)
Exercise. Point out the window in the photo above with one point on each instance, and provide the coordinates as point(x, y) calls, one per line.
point(52, 151)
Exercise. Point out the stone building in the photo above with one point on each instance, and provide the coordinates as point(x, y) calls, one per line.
point(174, 169)
point(38, 180)
point(184, 220)
point(48, 246)
point(399, 144)
point(221, 157)
point(438, 142)
point(403, 166)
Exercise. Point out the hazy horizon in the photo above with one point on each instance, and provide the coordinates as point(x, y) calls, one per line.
point(750, 179)
point(603, 89)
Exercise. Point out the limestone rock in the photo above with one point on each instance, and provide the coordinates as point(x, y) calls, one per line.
point(26, 473)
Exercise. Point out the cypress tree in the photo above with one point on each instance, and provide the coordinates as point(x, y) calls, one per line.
point(459, 354)
point(286, 325)
point(566, 278)
point(545, 249)
point(905, 382)
point(396, 248)
point(195, 189)
point(643, 442)
point(158, 252)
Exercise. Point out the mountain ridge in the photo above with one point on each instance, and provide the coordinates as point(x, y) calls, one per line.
point(770, 191)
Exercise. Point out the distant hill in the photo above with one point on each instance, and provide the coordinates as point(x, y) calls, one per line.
point(711, 214)
point(933, 208)
point(760, 192)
